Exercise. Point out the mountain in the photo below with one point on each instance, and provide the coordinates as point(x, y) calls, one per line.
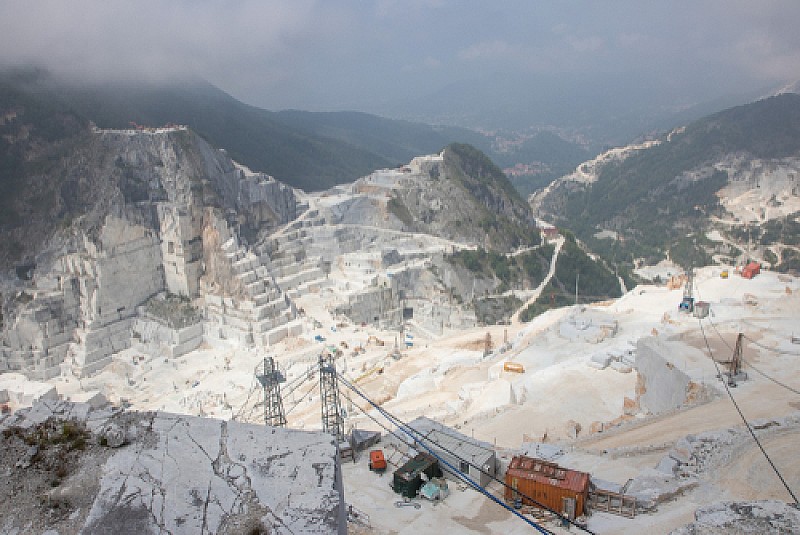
point(393, 139)
point(533, 161)
point(108, 228)
point(665, 195)
point(35, 192)
point(466, 198)
point(62, 178)
point(311, 151)
point(459, 195)
point(606, 109)
point(249, 134)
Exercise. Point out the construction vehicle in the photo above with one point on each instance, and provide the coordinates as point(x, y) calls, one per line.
point(377, 462)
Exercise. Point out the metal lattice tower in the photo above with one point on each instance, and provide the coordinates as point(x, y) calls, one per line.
point(332, 421)
point(688, 290)
point(736, 362)
point(273, 405)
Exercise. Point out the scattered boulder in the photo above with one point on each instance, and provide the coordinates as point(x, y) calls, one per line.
point(682, 452)
point(596, 427)
point(653, 487)
point(573, 429)
point(743, 517)
point(600, 360)
point(629, 406)
point(113, 436)
point(667, 465)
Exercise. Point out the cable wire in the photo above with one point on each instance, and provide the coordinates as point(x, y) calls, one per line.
point(404, 440)
point(365, 413)
point(239, 414)
point(741, 415)
point(779, 351)
point(459, 473)
point(308, 374)
point(750, 364)
point(411, 432)
point(299, 401)
point(787, 387)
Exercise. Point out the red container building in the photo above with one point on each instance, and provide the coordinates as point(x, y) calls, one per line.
point(546, 483)
point(751, 270)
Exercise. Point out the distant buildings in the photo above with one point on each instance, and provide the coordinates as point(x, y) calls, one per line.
point(548, 233)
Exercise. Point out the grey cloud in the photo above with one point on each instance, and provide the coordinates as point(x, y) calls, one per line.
point(318, 54)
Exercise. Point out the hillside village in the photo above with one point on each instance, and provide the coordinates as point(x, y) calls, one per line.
point(162, 311)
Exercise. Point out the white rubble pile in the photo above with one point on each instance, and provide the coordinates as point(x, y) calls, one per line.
point(694, 454)
point(766, 516)
point(652, 487)
point(691, 457)
point(588, 325)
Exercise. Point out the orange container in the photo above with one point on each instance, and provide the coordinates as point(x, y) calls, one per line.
point(377, 461)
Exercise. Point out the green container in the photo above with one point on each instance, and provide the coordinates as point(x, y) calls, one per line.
point(407, 479)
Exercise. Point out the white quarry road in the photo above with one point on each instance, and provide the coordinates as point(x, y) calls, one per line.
point(538, 291)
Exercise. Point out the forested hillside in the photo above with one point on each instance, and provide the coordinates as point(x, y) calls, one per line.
point(656, 197)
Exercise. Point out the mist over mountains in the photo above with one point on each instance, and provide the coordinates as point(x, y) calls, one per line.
point(535, 131)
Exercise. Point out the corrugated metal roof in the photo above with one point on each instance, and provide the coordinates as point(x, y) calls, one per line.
point(414, 467)
point(548, 473)
point(469, 449)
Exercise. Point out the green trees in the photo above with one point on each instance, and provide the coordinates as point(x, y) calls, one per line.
point(511, 272)
point(657, 196)
point(596, 282)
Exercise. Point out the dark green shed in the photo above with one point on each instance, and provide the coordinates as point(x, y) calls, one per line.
point(408, 478)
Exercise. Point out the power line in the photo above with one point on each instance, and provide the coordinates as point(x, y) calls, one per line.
point(412, 432)
point(295, 383)
point(456, 471)
point(503, 483)
point(368, 415)
point(239, 414)
point(787, 387)
point(299, 401)
point(741, 415)
point(779, 351)
point(762, 346)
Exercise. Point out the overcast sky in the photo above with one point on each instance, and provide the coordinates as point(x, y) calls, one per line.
point(360, 54)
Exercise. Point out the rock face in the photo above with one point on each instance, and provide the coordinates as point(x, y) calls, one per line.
point(458, 194)
point(150, 215)
point(105, 470)
point(165, 205)
point(661, 385)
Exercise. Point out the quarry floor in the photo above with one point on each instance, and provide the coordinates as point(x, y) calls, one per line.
point(449, 378)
